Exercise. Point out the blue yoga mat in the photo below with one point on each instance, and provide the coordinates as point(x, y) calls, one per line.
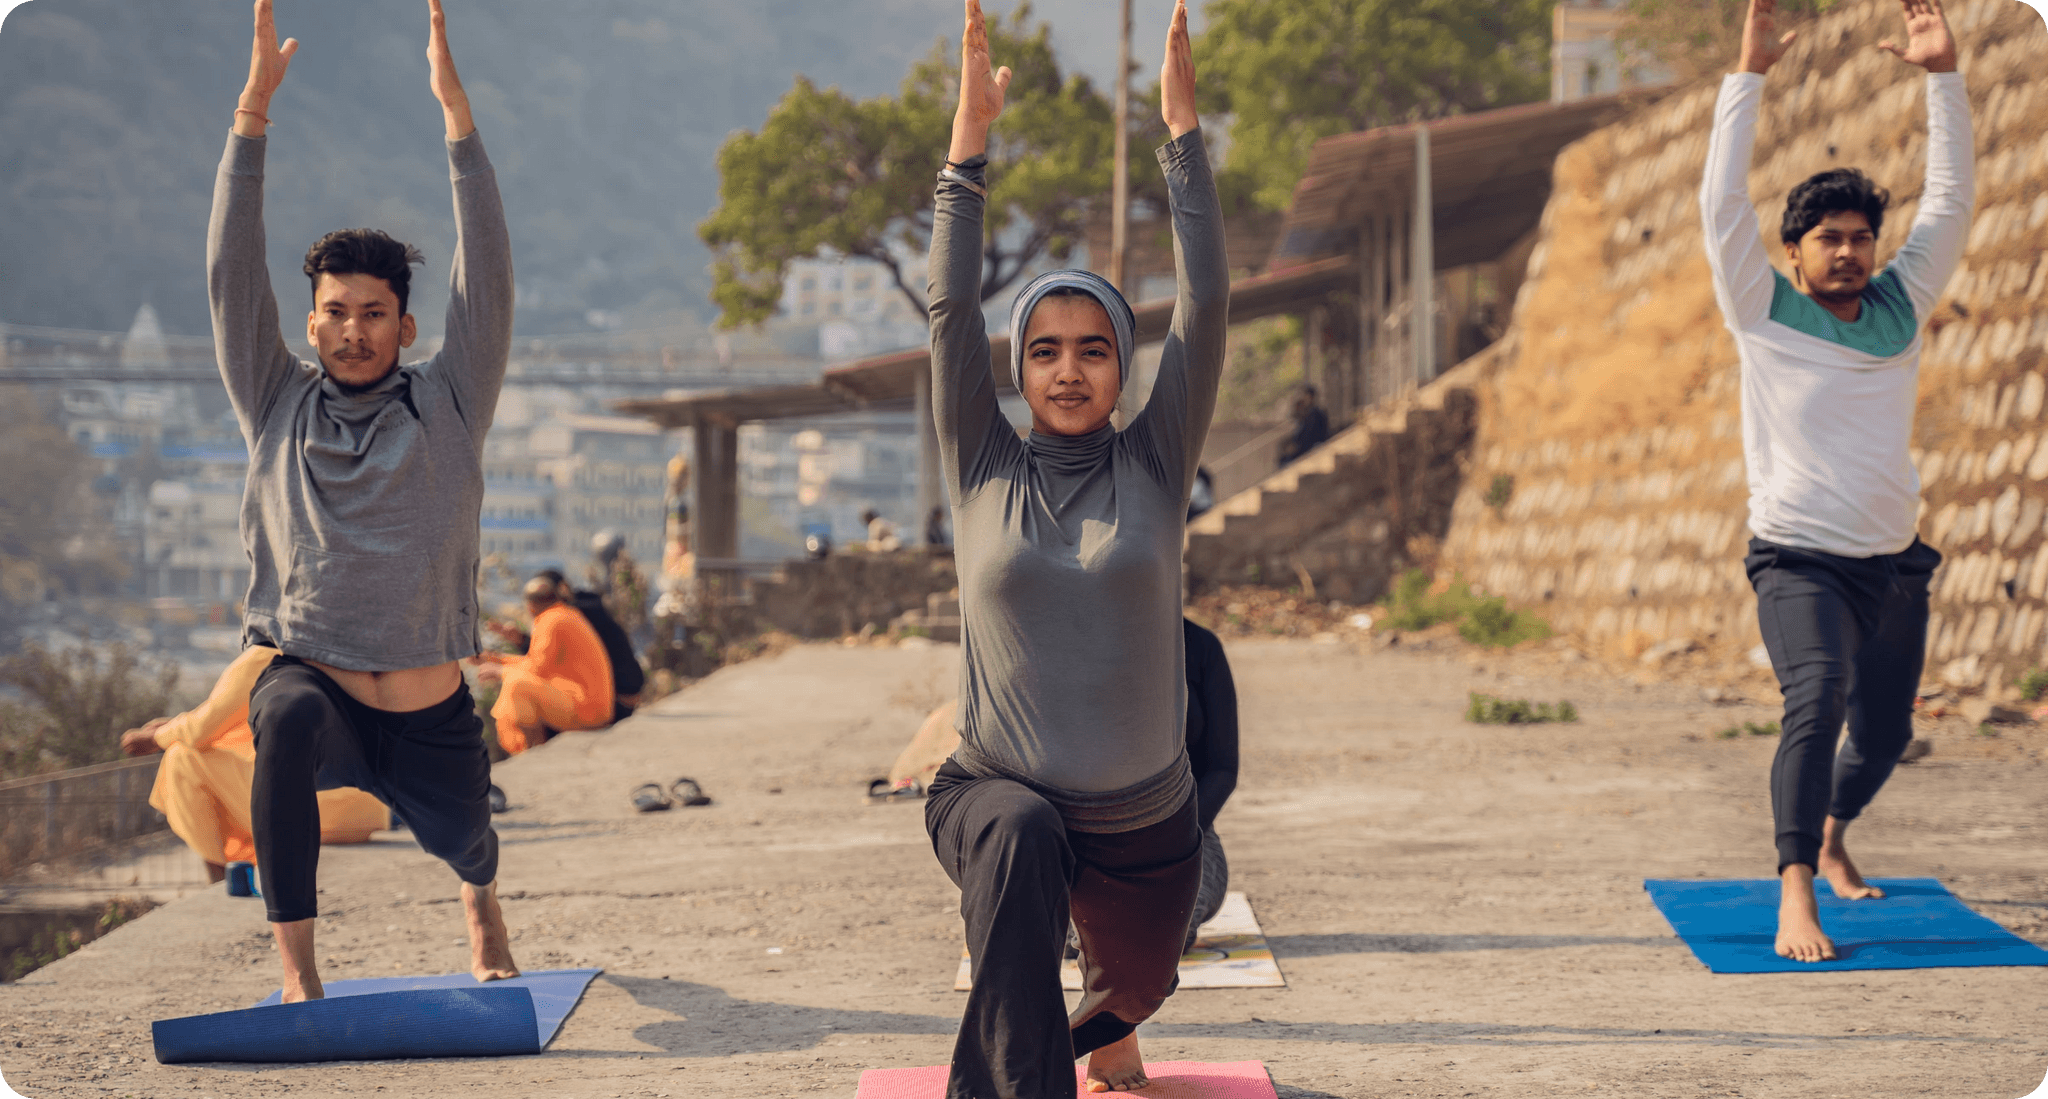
point(1732, 927)
point(382, 1018)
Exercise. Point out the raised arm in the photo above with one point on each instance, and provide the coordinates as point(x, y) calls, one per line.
point(964, 405)
point(248, 342)
point(225, 707)
point(477, 340)
point(1743, 282)
point(1941, 228)
point(1175, 421)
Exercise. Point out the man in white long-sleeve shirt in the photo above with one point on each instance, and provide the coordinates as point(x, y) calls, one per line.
point(1830, 374)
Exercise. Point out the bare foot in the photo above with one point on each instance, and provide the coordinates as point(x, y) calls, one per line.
point(1799, 935)
point(1117, 1066)
point(490, 948)
point(295, 950)
point(1836, 866)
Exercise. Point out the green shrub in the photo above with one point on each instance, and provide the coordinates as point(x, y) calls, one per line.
point(1482, 620)
point(1484, 709)
point(2032, 683)
point(1768, 728)
point(1499, 492)
point(1490, 622)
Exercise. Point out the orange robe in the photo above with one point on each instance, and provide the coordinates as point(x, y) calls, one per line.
point(209, 768)
point(563, 682)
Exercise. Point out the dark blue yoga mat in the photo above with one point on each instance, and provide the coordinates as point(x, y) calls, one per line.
point(380, 1018)
point(1732, 927)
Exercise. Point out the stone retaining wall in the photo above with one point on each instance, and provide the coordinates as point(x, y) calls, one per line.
point(847, 591)
point(1612, 417)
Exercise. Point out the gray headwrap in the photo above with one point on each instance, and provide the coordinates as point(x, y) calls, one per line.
point(1097, 287)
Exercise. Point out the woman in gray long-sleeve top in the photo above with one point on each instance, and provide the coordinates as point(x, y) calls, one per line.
point(1070, 791)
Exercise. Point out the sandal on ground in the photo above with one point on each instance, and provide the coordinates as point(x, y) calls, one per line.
point(880, 791)
point(648, 798)
point(499, 803)
point(687, 792)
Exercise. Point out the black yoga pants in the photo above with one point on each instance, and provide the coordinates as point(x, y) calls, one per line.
point(430, 766)
point(1847, 638)
point(1022, 875)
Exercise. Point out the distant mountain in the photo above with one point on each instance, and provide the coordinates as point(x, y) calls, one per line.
point(603, 117)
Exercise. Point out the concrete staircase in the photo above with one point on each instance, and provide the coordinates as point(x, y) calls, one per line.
point(1339, 522)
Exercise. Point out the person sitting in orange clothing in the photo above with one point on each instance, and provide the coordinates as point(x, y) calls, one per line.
point(209, 767)
point(563, 682)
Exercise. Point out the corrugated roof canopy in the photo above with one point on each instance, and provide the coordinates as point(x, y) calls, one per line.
point(1489, 179)
point(885, 381)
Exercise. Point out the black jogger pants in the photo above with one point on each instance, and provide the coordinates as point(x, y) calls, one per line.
point(1847, 638)
point(430, 766)
point(1022, 874)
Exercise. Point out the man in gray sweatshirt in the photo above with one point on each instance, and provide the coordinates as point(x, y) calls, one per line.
point(360, 519)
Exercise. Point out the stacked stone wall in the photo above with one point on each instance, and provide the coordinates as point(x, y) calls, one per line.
point(1612, 415)
point(847, 592)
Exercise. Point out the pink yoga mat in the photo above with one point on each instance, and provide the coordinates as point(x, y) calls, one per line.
point(1170, 1080)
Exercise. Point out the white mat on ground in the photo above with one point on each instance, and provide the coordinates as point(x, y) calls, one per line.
point(1230, 952)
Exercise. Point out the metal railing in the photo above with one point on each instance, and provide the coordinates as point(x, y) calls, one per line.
point(69, 815)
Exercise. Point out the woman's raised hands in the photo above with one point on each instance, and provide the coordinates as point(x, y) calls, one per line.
point(1177, 76)
point(267, 63)
point(981, 90)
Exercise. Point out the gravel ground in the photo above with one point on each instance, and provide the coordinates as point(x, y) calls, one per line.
point(1458, 908)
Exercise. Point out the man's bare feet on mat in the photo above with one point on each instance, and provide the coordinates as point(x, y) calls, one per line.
point(301, 972)
point(1117, 1066)
point(490, 948)
point(1838, 869)
point(1799, 935)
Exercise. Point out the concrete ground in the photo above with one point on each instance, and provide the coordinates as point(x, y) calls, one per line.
point(1458, 909)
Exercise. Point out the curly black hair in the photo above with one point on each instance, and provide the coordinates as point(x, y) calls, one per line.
point(364, 252)
point(1829, 192)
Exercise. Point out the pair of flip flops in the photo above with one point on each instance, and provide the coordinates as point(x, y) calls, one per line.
point(880, 790)
point(649, 797)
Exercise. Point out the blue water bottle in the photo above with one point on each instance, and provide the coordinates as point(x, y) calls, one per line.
point(242, 879)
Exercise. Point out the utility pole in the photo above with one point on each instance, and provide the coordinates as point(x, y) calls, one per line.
point(1120, 187)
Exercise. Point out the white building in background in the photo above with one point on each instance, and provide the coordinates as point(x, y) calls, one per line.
point(819, 474)
point(1585, 57)
point(855, 306)
point(554, 478)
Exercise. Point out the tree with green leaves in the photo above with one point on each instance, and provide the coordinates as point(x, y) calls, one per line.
point(829, 175)
point(1291, 72)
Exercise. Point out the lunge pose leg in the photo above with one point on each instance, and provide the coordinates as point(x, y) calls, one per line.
point(361, 518)
point(1070, 794)
point(1830, 373)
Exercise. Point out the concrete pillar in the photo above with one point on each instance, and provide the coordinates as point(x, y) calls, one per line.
point(1424, 332)
point(1315, 356)
point(715, 485)
point(931, 492)
point(1369, 310)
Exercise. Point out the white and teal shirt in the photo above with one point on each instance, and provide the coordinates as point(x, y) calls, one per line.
point(1827, 404)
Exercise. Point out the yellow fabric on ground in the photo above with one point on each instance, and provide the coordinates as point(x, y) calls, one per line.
point(209, 768)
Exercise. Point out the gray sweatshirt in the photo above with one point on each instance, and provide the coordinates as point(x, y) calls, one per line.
point(1069, 547)
point(360, 516)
